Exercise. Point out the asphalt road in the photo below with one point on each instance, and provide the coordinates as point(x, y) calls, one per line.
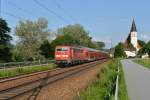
point(137, 80)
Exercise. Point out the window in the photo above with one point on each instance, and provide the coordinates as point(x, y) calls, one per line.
point(62, 49)
point(77, 50)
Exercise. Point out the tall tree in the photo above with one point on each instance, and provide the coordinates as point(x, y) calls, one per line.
point(72, 35)
point(141, 43)
point(64, 39)
point(99, 45)
point(31, 35)
point(145, 49)
point(18, 53)
point(46, 49)
point(5, 54)
point(119, 51)
point(77, 33)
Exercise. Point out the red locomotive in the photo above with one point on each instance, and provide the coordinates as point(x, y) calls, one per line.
point(68, 55)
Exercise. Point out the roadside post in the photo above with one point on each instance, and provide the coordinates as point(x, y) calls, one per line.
point(117, 84)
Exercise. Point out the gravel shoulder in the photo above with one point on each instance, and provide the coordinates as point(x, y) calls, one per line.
point(69, 87)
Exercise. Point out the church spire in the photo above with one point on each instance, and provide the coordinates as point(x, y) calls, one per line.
point(133, 27)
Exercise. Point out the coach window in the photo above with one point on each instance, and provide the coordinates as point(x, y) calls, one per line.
point(74, 50)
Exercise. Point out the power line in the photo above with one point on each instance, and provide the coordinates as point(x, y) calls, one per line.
point(0, 7)
point(60, 7)
point(49, 10)
point(6, 13)
point(12, 15)
point(19, 8)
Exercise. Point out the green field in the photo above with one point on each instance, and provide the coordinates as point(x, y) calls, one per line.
point(24, 70)
point(104, 87)
point(144, 62)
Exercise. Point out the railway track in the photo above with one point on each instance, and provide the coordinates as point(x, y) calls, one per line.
point(34, 84)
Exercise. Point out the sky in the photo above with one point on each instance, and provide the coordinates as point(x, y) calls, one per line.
point(105, 20)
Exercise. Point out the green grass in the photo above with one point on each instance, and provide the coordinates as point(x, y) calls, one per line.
point(123, 95)
point(104, 87)
point(24, 70)
point(144, 62)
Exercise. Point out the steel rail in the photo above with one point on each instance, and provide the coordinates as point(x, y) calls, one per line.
point(36, 85)
point(6, 79)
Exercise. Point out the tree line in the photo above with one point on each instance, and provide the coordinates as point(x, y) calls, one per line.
point(119, 49)
point(35, 41)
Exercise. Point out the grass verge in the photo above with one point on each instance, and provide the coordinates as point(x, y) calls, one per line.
point(123, 94)
point(144, 62)
point(25, 70)
point(104, 87)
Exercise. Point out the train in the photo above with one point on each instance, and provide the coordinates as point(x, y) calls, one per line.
point(70, 55)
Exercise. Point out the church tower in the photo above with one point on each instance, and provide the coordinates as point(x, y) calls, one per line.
point(131, 45)
point(133, 35)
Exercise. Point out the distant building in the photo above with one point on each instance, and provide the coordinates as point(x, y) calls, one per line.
point(131, 45)
point(145, 55)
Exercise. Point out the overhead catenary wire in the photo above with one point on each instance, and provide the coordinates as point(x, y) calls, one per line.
point(12, 15)
point(0, 7)
point(20, 8)
point(23, 10)
point(49, 10)
point(60, 7)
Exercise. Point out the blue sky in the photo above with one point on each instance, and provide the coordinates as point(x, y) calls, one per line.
point(103, 19)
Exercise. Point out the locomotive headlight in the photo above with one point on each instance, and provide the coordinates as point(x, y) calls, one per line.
point(57, 55)
point(64, 55)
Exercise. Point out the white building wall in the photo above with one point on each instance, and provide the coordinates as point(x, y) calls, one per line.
point(130, 53)
point(134, 39)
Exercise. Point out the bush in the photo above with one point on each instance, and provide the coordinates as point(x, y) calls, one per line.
point(104, 87)
point(24, 70)
point(119, 51)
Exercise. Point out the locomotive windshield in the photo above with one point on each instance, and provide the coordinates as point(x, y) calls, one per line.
point(62, 49)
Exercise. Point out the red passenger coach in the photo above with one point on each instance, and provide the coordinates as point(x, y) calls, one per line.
point(66, 55)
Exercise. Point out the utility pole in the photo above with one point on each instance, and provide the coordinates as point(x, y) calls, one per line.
point(111, 42)
point(111, 50)
point(0, 8)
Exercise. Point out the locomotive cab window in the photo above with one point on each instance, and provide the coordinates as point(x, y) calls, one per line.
point(62, 49)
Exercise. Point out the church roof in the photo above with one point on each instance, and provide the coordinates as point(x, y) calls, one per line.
point(128, 45)
point(133, 27)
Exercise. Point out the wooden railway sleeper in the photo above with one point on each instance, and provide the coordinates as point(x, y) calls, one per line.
point(36, 91)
